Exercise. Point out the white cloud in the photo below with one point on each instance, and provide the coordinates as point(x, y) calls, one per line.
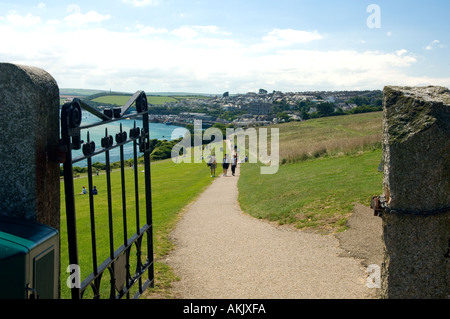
point(435, 44)
point(151, 30)
point(212, 29)
point(207, 59)
point(185, 32)
point(286, 37)
point(401, 52)
point(189, 32)
point(141, 3)
point(79, 19)
point(53, 22)
point(331, 69)
point(22, 21)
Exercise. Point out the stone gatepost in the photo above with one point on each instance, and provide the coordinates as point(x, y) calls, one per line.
point(416, 220)
point(29, 122)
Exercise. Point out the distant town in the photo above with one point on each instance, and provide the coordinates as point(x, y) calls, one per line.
point(244, 110)
point(263, 108)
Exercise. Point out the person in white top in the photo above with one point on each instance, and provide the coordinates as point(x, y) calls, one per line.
point(225, 164)
point(212, 164)
point(233, 163)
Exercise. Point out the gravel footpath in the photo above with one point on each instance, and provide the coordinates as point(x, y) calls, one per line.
point(223, 253)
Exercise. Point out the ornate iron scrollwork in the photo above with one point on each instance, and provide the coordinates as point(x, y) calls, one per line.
point(118, 263)
point(70, 123)
point(141, 103)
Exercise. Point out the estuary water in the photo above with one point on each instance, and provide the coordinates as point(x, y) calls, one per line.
point(157, 131)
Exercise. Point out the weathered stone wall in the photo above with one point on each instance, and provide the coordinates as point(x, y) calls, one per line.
point(29, 121)
point(416, 225)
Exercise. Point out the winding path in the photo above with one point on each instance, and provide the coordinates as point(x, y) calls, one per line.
point(223, 253)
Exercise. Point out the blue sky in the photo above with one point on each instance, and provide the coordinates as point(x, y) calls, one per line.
point(211, 46)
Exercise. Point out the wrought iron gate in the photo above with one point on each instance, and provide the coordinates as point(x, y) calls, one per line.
point(123, 278)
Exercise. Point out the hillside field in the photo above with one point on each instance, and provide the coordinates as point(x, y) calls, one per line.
point(121, 99)
point(329, 135)
point(329, 164)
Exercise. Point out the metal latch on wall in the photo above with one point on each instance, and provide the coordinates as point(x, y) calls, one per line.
point(378, 204)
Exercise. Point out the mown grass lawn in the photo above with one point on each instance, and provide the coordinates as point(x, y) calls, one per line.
point(173, 187)
point(316, 194)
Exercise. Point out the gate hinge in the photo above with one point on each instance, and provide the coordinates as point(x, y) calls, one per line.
point(57, 154)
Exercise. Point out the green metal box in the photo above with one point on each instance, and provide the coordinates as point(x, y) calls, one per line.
point(29, 260)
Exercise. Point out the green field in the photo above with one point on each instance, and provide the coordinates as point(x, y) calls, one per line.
point(330, 135)
point(316, 194)
point(173, 187)
point(328, 165)
point(122, 99)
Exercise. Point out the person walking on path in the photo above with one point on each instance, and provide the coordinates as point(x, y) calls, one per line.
point(225, 164)
point(212, 164)
point(233, 164)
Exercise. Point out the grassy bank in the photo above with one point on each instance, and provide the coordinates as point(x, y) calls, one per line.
point(329, 135)
point(173, 187)
point(316, 194)
point(328, 164)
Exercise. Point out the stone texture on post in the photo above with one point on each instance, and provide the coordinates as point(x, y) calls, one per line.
point(416, 225)
point(29, 120)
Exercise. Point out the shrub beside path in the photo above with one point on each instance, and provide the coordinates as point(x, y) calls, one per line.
point(223, 253)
